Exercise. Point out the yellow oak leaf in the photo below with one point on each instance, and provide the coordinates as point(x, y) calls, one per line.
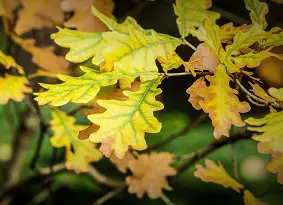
point(38, 14)
point(257, 90)
point(216, 174)
point(13, 88)
point(276, 93)
point(221, 103)
point(84, 88)
point(192, 13)
point(8, 62)
point(66, 135)
point(193, 92)
point(122, 164)
point(84, 45)
point(276, 165)
point(7, 7)
point(269, 130)
point(170, 62)
point(130, 119)
point(149, 174)
point(228, 31)
point(273, 38)
point(83, 20)
point(258, 10)
point(135, 51)
point(43, 56)
point(250, 199)
point(204, 58)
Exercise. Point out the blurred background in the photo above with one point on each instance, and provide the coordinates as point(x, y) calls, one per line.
point(18, 141)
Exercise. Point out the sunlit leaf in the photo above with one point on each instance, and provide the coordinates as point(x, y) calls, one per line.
point(276, 165)
point(228, 31)
point(150, 173)
point(13, 88)
point(65, 135)
point(129, 119)
point(216, 174)
point(193, 92)
point(258, 10)
point(8, 62)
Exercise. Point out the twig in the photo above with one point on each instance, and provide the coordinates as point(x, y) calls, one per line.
point(188, 44)
point(212, 147)
point(230, 16)
point(101, 179)
point(191, 125)
point(187, 73)
point(166, 200)
point(109, 195)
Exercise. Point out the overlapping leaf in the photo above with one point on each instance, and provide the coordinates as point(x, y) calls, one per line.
point(129, 119)
point(269, 130)
point(38, 14)
point(257, 90)
point(82, 19)
point(192, 13)
point(216, 174)
point(228, 31)
point(276, 166)
point(65, 135)
point(13, 88)
point(84, 88)
point(150, 173)
point(9, 62)
point(222, 104)
point(258, 10)
point(273, 38)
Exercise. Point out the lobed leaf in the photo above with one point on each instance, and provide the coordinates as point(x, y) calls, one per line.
point(8, 62)
point(276, 93)
point(13, 88)
point(276, 165)
point(129, 119)
point(65, 135)
point(258, 10)
point(216, 174)
point(273, 38)
point(192, 13)
point(148, 177)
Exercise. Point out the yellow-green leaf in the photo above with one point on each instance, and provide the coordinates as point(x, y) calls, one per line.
point(273, 38)
point(216, 174)
point(84, 88)
point(66, 135)
point(250, 199)
point(191, 14)
point(269, 130)
point(129, 119)
point(8, 62)
point(275, 165)
point(261, 93)
point(258, 10)
point(222, 104)
point(276, 93)
point(13, 88)
point(170, 62)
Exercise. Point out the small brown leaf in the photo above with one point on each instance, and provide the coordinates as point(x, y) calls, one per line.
point(122, 164)
point(149, 174)
point(194, 98)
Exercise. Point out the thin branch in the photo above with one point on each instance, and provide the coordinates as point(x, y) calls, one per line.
point(186, 73)
point(109, 195)
point(166, 200)
point(230, 16)
point(188, 128)
point(215, 145)
point(188, 44)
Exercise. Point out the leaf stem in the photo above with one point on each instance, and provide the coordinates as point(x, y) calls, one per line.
point(188, 44)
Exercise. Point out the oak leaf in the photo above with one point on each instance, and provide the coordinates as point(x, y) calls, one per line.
point(269, 130)
point(13, 88)
point(273, 38)
point(170, 62)
point(122, 164)
point(65, 135)
point(148, 177)
point(192, 13)
point(276, 93)
point(8, 62)
point(7, 7)
point(250, 199)
point(38, 14)
point(258, 10)
point(83, 20)
point(276, 165)
point(216, 174)
point(221, 103)
point(257, 90)
point(228, 31)
point(194, 98)
point(130, 119)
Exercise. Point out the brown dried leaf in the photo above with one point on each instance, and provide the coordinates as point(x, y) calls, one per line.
point(38, 14)
point(194, 98)
point(148, 177)
point(276, 166)
point(122, 164)
point(83, 19)
point(7, 6)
